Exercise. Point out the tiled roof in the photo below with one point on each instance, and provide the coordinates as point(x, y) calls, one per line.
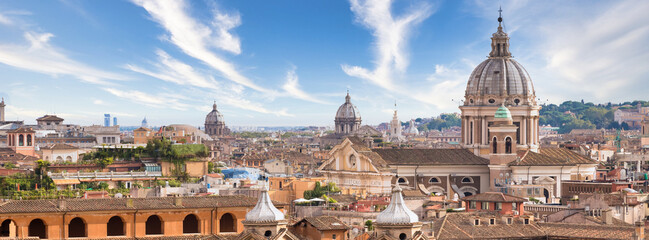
point(493, 197)
point(49, 118)
point(22, 130)
point(460, 226)
point(585, 231)
point(117, 204)
point(430, 157)
point(323, 223)
point(9, 155)
point(60, 146)
point(551, 157)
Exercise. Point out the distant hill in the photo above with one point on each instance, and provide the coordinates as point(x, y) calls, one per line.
point(579, 115)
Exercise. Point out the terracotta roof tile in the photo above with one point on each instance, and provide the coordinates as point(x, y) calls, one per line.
point(493, 197)
point(430, 157)
point(324, 223)
point(551, 157)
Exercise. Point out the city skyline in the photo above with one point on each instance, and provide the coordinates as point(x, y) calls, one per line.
point(291, 63)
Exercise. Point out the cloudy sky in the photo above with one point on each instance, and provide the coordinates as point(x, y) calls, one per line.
point(282, 63)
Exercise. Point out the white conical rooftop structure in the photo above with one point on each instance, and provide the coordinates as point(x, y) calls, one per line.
point(264, 211)
point(397, 212)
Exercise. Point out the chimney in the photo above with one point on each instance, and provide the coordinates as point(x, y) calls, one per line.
point(639, 231)
point(178, 201)
point(607, 216)
point(62, 204)
point(129, 203)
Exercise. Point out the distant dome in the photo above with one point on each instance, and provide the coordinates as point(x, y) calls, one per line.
point(348, 111)
point(397, 212)
point(214, 116)
point(500, 79)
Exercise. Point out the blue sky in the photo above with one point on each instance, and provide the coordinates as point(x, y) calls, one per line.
point(286, 63)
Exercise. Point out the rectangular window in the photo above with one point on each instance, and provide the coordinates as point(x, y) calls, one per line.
point(499, 206)
point(472, 205)
point(485, 205)
point(509, 221)
point(529, 192)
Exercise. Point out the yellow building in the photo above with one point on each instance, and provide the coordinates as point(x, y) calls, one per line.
point(287, 189)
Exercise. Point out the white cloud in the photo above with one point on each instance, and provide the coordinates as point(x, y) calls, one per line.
point(40, 56)
point(197, 40)
point(156, 101)
point(5, 20)
point(391, 38)
point(292, 88)
point(171, 70)
point(98, 102)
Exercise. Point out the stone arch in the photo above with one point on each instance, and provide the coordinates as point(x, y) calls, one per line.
point(467, 180)
point(468, 191)
point(154, 225)
point(37, 228)
point(77, 228)
point(191, 224)
point(228, 223)
point(8, 228)
point(434, 180)
point(402, 180)
point(494, 144)
point(59, 159)
point(68, 159)
point(436, 189)
point(115, 226)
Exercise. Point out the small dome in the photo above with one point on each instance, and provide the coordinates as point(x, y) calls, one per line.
point(214, 116)
point(397, 212)
point(503, 113)
point(264, 211)
point(348, 110)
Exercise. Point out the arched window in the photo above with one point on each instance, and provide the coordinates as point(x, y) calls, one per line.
point(59, 159)
point(495, 145)
point(190, 224)
point(228, 223)
point(29, 139)
point(434, 180)
point(21, 140)
point(352, 160)
point(8, 229)
point(508, 145)
point(77, 228)
point(467, 180)
point(402, 181)
point(115, 226)
point(153, 225)
point(68, 158)
point(268, 233)
point(37, 228)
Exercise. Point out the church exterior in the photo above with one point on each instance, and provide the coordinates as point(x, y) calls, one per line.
point(215, 124)
point(500, 143)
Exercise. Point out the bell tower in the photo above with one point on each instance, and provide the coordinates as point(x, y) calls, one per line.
point(502, 149)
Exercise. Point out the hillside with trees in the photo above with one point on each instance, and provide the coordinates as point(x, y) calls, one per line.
point(571, 115)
